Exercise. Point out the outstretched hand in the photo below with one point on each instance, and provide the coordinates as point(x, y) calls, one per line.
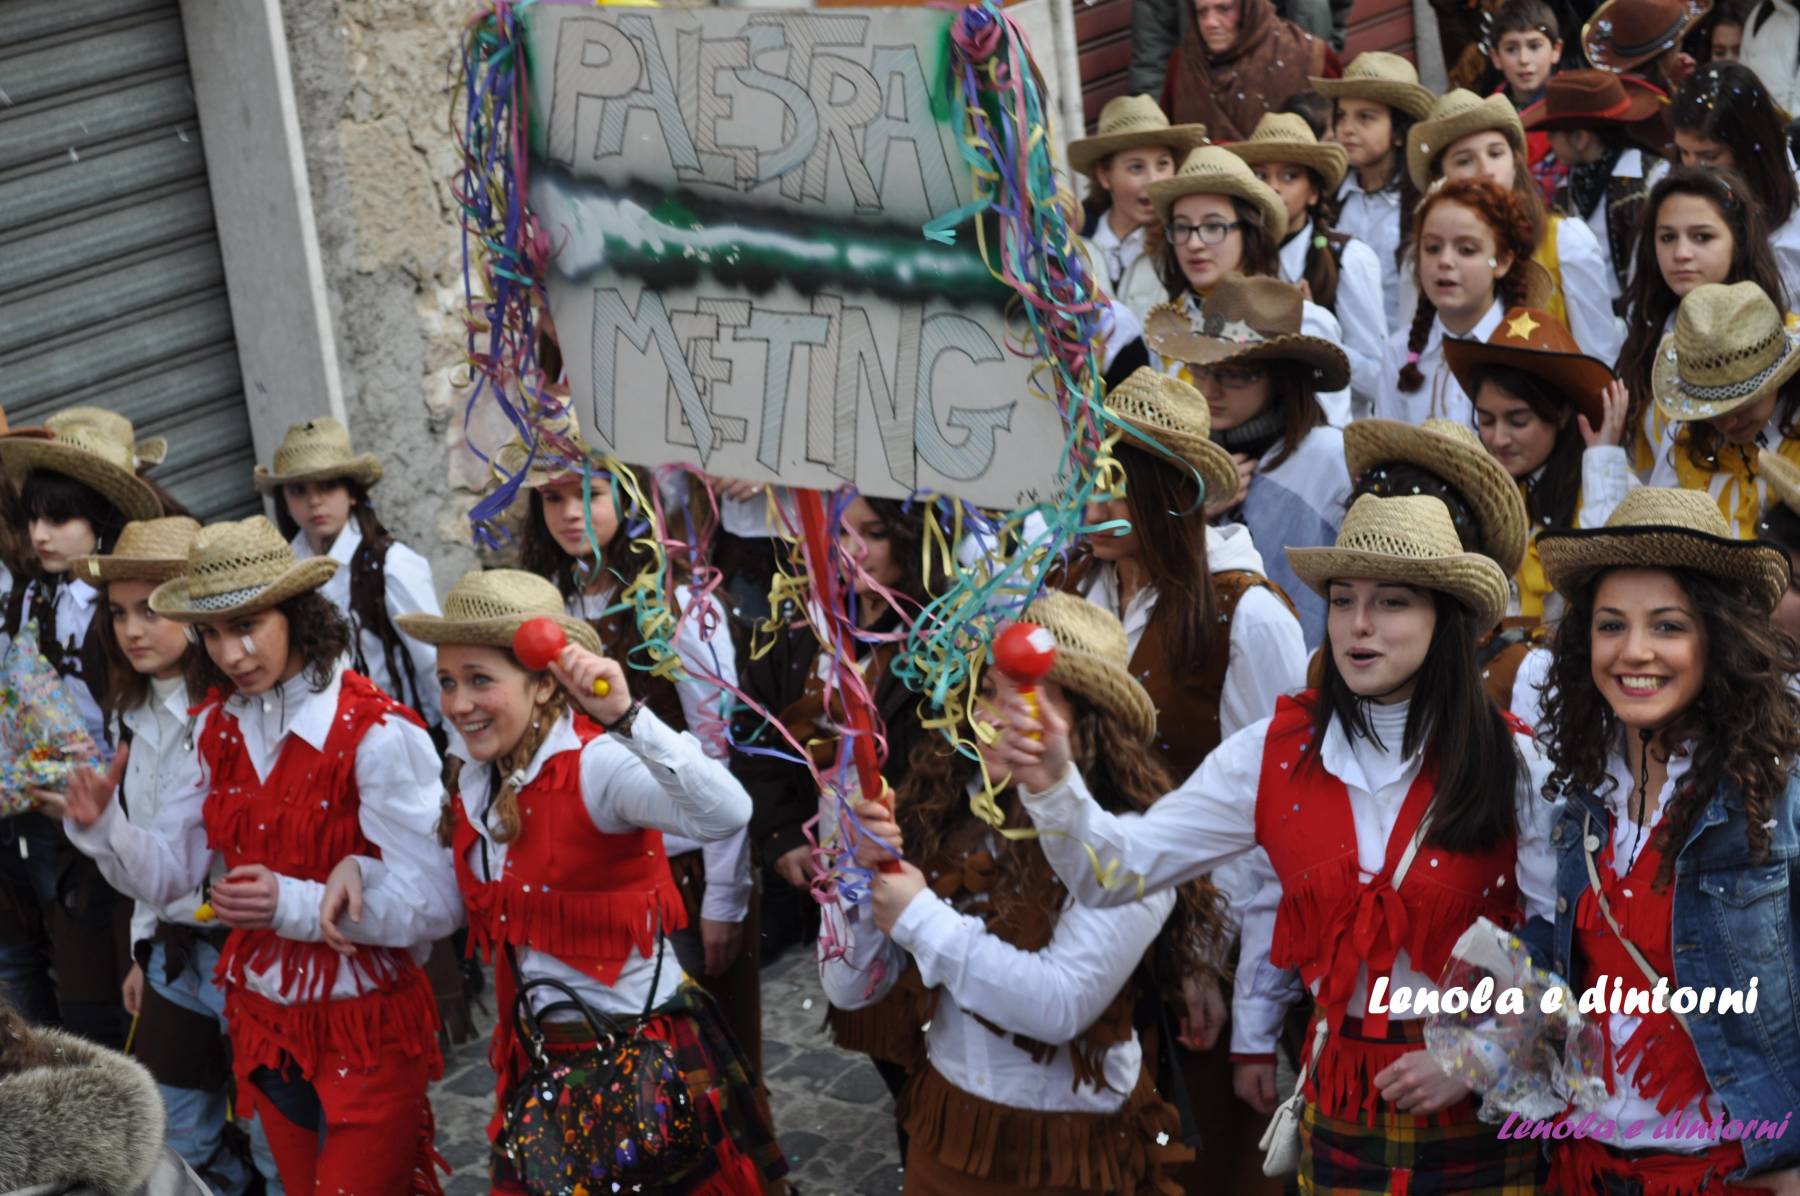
point(1035, 748)
point(88, 792)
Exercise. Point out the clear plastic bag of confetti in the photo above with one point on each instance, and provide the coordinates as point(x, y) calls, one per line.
point(1501, 1042)
point(42, 736)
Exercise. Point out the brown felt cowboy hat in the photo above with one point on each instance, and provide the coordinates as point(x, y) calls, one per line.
point(1454, 453)
point(148, 550)
point(1132, 122)
point(1625, 33)
point(1730, 347)
point(1287, 138)
point(316, 451)
point(238, 568)
point(1658, 528)
point(1380, 78)
point(1215, 170)
point(99, 454)
point(1593, 99)
point(1242, 320)
point(1170, 418)
point(1410, 540)
point(1456, 115)
point(488, 606)
point(1535, 342)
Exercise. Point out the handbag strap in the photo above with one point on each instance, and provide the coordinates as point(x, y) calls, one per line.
point(1637, 957)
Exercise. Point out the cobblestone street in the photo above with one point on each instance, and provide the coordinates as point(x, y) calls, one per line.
point(831, 1109)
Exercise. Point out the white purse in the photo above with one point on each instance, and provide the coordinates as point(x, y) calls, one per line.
point(1281, 1141)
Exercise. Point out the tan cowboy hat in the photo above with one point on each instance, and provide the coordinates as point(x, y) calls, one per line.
point(1624, 33)
point(1132, 122)
point(1458, 114)
point(1285, 137)
point(1729, 348)
point(1092, 654)
point(1245, 319)
point(1535, 342)
point(1171, 418)
point(1782, 476)
point(238, 568)
point(551, 464)
point(487, 608)
point(27, 433)
point(1658, 528)
point(1408, 539)
point(150, 451)
point(1454, 453)
point(94, 453)
point(1380, 78)
point(148, 550)
point(316, 451)
point(1215, 170)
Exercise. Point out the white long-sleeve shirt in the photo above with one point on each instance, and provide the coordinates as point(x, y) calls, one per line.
point(399, 802)
point(161, 744)
point(1587, 290)
point(1360, 310)
point(704, 705)
point(408, 590)
point(1440, 395)
point(1373, 217)
point(1211, 818)
point(1050, 995)
point(655, 777)
point(1772, 49)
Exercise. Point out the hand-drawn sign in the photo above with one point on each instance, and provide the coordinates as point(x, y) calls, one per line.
point(741, 281)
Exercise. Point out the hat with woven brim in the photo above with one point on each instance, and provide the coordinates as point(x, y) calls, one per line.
point(1168, 417)
point(560, 451)
point(236, 569)
point(1624, 33)
point(1215, 170)
point(90, 453)
point(316, 451)
point(487, 607)
point(1658, 528)
point(1407, 540)
point(1380, 78)
point(1453, 452)
point(1729, 348)
point(1092, 655)
point(1283, 137)
point(1132, 122)
point(1457, 115)
point(1534, 342)
point(149, 452)
point(148, 550)
point(1242, 320)
point(1782, 476)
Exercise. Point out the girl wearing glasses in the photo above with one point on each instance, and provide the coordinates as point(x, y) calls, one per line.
point(1218, 219)
point(1244, 350)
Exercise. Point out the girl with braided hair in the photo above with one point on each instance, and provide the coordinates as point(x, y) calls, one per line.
point(1472, 262)
point(1674, 734)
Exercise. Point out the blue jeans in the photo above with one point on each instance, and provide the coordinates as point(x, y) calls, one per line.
point(29, 877)
point(197, 1117)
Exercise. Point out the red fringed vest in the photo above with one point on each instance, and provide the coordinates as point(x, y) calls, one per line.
point(1333, 920)
point(301, 822)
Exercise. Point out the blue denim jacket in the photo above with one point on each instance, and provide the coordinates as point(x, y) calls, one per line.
point(1733, 919)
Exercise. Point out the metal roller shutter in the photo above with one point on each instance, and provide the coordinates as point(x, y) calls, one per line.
point(112, 292)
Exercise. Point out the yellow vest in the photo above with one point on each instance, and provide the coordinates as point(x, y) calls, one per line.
point(1733, 484)
point(1534, 586)
point(1545, 256)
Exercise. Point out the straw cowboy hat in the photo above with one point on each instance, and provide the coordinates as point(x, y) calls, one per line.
point(316, 451)
point(551, 464)
point(1241, 320)
point(148, 550)
point(1381, 78)
point(1729, 348)
point(1171, 418)
point(1657, 528)
point(487, 608)
point(1091, 658)
point(1454, 453)
point(1410, 540)
point(1782, 476)
point(1623, 33)
point(236, 569)
point(1459, 113)
point(150, 451)
point(99, 454)
point(1535, 342)
point(1215, 170)
point(1132, 122)
point(1285, 137)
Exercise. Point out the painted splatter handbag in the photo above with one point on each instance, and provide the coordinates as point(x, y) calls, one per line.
point(616, 1112)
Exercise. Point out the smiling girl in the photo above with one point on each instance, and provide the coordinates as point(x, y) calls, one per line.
point(1674, 733)
point(1398, 757)
point(302, 763)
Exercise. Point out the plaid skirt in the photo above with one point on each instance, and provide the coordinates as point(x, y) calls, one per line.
point(1402, 1155)
point(746, 1159)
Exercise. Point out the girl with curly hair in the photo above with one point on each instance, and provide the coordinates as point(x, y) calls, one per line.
point(1398, 756)
point(301, 763)
point(1674, 733)
point(1033, 1077)
point(1472, 259)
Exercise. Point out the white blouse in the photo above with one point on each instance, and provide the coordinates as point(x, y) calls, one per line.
point(1360, 310)
point(1373, 217)
point(1440, 395)
point(162, 741)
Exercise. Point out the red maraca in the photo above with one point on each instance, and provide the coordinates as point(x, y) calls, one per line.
point(1025, 652)
point(540, 641)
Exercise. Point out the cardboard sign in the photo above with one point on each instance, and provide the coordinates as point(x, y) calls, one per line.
point(740, 280)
